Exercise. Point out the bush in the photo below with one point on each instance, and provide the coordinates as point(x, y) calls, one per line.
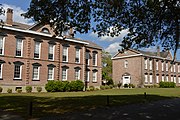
point(111, 86)
point(28, 89)
point(39, 89)
point(167, 85)
point(126, 85)
point(102, 87)
point(1, 89)
point(119, 85)
point(76, 85)
point(9, 90)
point(107, 87)
point(110, 82)
point(131, 86)
point(91, 88)
point(148, 86)
point(19, 90)
point(50, 86)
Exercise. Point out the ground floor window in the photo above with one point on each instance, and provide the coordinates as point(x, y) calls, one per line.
point(94, 76)
point(17, 71)
point(50, 73)
point(36, 72)
point(64, 74)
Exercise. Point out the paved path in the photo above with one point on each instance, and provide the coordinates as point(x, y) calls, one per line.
point(159, 110)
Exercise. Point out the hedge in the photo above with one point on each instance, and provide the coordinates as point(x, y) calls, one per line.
point(167, 85)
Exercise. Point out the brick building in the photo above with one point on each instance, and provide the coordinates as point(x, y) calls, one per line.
point(31, 55)
point(145, 68)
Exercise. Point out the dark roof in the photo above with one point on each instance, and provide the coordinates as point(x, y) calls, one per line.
point(20, 25)
point(92, 45)
point(162, 54)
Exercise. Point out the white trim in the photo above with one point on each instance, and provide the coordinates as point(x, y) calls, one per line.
point(53, 47)
point(21, 47)
point(1, 70)
point(66, 54)
point(42, 34)
point(127, 56)
point(20, 71)
point(38, 73)
point(78, 56)
point(94, 76)
point(52, 73)
point(66, 71)
point(87, 76)
point(3, 43)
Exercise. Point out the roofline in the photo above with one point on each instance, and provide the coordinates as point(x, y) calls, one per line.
point(42, 34)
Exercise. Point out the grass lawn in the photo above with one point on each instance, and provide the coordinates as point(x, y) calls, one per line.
point(61, 102)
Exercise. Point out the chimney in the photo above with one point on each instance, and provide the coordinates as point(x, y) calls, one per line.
point(71, 32)
point(158, 51)
point(9, 18)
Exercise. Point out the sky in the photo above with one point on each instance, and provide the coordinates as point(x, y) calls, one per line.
point(109, 44)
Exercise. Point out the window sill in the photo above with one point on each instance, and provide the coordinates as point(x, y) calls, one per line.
point(36, 58)
point(18, 79)
point(94, 81)
point(35, 80)
point(18, 56)
point(1, 78)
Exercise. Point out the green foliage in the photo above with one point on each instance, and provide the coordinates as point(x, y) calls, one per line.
point(63, 86)
point(19, 90)
point(126, 85)
point(9, 90)
point(1, 89)
point(148, 86)
point(131, 86)
point(102, 87)
point(28, 89)
point(91, 88)
point(39, 89)
point(119, 85)
point(167, 85)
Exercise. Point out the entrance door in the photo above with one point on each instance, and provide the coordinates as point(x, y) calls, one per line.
point(126, 80)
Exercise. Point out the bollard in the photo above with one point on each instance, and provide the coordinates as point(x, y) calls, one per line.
point(145, 95)
point(30, 108)
point(107, 100)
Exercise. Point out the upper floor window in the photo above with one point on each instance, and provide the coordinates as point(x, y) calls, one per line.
point(77, 59)
point(150, 64)
point(157, 67)
point(94, 58)
point(37, 49)
point(174, 68)
point(51, 52)
point(87, 58)
point(45, 30)
point(125, 64)
point(2, 45)
point(171, 68)
point(65, 54)
point(145, 64)
point(19, 47)
point(166, 66)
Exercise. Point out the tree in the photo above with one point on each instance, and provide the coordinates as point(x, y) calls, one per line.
point(2, 11)
point(150, 22)
point(107, 67)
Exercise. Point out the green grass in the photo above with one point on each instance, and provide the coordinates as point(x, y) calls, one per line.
point(55, 103)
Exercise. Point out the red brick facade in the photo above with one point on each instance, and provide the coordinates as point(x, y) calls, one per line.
point(29, 36)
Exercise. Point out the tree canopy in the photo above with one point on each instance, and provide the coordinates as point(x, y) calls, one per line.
point(150, 22)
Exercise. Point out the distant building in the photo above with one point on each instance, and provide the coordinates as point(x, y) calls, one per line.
point(145, 68)
point(31, 55)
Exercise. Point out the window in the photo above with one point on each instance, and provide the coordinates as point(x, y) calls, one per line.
point(64, 74)
point(174, 68)
point(94, 76)
point(125, 64)
point(77, 74)
point(65, 54)
point(163, 78)
point(145, 64)
point(171, 68)
point(162, 66)
point(94, 58)
point(37, 49)
point(146, 78)
point(166, 66)
point(171, 78)
point(179, 68)
point(1, 67)
point(17, 71)
point(150, 79)
point(51, 52)
point(167, 78)
point(50, 73)
point(87, 76)
point(19, 47)
point(45, 30)
point(150, 64)
point(157, 78)
point(36, 72)
point(87, 58)
point(157, 65)
point(174, 79)
point(2, 45)
point(77, 59)
point(179, 79)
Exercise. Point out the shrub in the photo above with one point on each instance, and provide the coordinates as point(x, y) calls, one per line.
point(131, 86)
point(110, 82)
point(126, 85)
point(148, 86)
point(50, 86)
point(107, 87)
point(19, 90)
point(96, 88)
point(66, 86)
point(39, 89)
point(111, 86)
point(28, 89)
point(156, 86)
point(9, 90)
point(77, 85)
point(102, 87)
point(91, 88)
point(167, 85)
point(1, 89)
point(119, 85)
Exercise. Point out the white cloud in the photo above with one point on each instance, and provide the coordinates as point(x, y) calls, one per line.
point(109, 38)
point(150, 49)
point(17, 11)
point(113, 48)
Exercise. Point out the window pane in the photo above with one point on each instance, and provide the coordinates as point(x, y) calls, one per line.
point(77, 75)
point(18, 47)
point(77, 55)
point(94, 76)
point(50, 73)
point(1, 70)
point(35, 73)
point(37, 50)
point(51, 52)
point(1, 45)
point(94, 58)
point(65, 53)
point(64, 74)
point(17, 71)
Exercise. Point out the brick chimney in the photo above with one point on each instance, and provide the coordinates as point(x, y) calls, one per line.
point(9, 18)
point(158, 51)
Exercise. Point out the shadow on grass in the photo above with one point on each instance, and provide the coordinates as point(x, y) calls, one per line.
point(43, 106)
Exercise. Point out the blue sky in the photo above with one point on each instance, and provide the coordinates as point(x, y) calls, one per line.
point(109, 44)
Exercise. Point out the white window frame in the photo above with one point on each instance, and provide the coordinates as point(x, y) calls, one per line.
point(87, 57)
point(162, 78)
point(77, 72)
point(126, 64)
point(179, 79)
point(65, 53)
point(87, 76)
point(20, 71)
point(174, 67)
point(3, 41)
point(38, 51)
point(167, 78)
point(94, 78)
point(66, 72)
point(178, 68)
point(94, 59)
point(146, 78)
point(150, 79)
point(157, 67)
point(77, 56)
point(150, 64)
point(53, 49)
point(172, 79)
point(20, 48)
point(145, 64)
point(166, 66)
point(157, 78)
point(52, 73)
point(1, 65)
point(37, 74)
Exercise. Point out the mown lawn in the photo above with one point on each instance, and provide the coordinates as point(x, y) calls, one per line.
point(61, 102)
